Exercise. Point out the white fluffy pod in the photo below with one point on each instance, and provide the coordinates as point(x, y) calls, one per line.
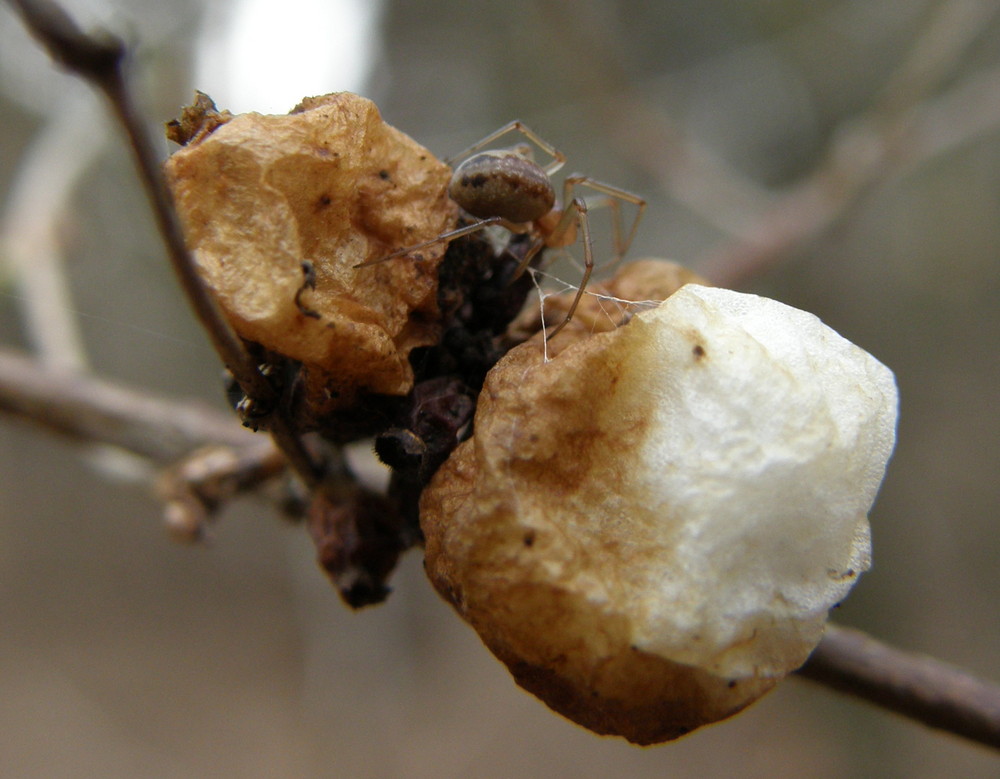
point(650, 528)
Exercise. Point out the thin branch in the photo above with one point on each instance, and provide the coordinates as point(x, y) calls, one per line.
point(194, 489)
point(918, 687)
point(908, 126)
point(211, 457)
point(38, 201)
point(866, 153)
point(888, 139)
point(98, 411)
point(99, 58)
point(953, 26)
point(90, 409)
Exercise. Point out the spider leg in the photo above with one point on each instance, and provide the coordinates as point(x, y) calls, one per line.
point(576, 210)
point(536, 245)
point(614, 197)
point(443, 238)
point(555, 230)
point(558, 158)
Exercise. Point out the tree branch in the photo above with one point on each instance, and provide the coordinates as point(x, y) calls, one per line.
point(918, 687)
point(97, 411)
point(38, 201)
point(913, 122)
point(99, 58)
point(901, 130)
point(194, 489)
point(91, 409)
point(866, 153)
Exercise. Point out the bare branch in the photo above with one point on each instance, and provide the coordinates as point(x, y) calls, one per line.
point(98, 411)
point(194, 489)
point(909, 125)
point(95, 57)
point(211, 457)
point(895, 135)
point(99, 58)
point(953, 26)
point(38, 201)
point(865, 154)
point(918, 687)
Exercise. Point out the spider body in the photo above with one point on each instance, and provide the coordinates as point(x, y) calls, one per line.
point(505, 183)
point(506, 187)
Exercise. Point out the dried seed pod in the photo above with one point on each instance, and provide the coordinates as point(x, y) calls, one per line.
point(650, 528)
point(330, 185)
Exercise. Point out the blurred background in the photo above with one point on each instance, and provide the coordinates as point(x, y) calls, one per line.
point(841, 156)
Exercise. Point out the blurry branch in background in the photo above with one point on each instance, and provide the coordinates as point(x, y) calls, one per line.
point(907, 127)
point(866, 154)
point(162, 431)
point(39, 198)
point(100, 59)
point(897, 134)
point(912, 123)
point(98, 411)
point(211, 457)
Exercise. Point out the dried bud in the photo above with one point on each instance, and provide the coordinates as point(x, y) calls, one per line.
point(359, 536)
point(650, 528)
point(279, 210)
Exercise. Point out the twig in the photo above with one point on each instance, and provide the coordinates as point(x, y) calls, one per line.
point(194, 489)
point(905, 128)
point(39, 199)
point(99, 58)
point(918, 687)
point(211, 458)
point(889, 138)
point(953, 26)
point(98, 411)
point(867, 153)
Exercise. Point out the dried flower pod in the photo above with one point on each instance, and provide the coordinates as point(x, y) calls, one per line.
point(330, 185)
point(650, 528)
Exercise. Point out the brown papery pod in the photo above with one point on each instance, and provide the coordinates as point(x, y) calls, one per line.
point(649, 528)
point(279, 211)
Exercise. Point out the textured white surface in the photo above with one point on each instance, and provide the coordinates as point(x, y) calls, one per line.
point(770, 436)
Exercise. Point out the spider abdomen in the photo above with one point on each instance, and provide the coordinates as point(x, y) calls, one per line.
point(502, 184)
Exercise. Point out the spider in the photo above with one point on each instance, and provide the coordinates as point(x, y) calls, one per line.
point(506, 187)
